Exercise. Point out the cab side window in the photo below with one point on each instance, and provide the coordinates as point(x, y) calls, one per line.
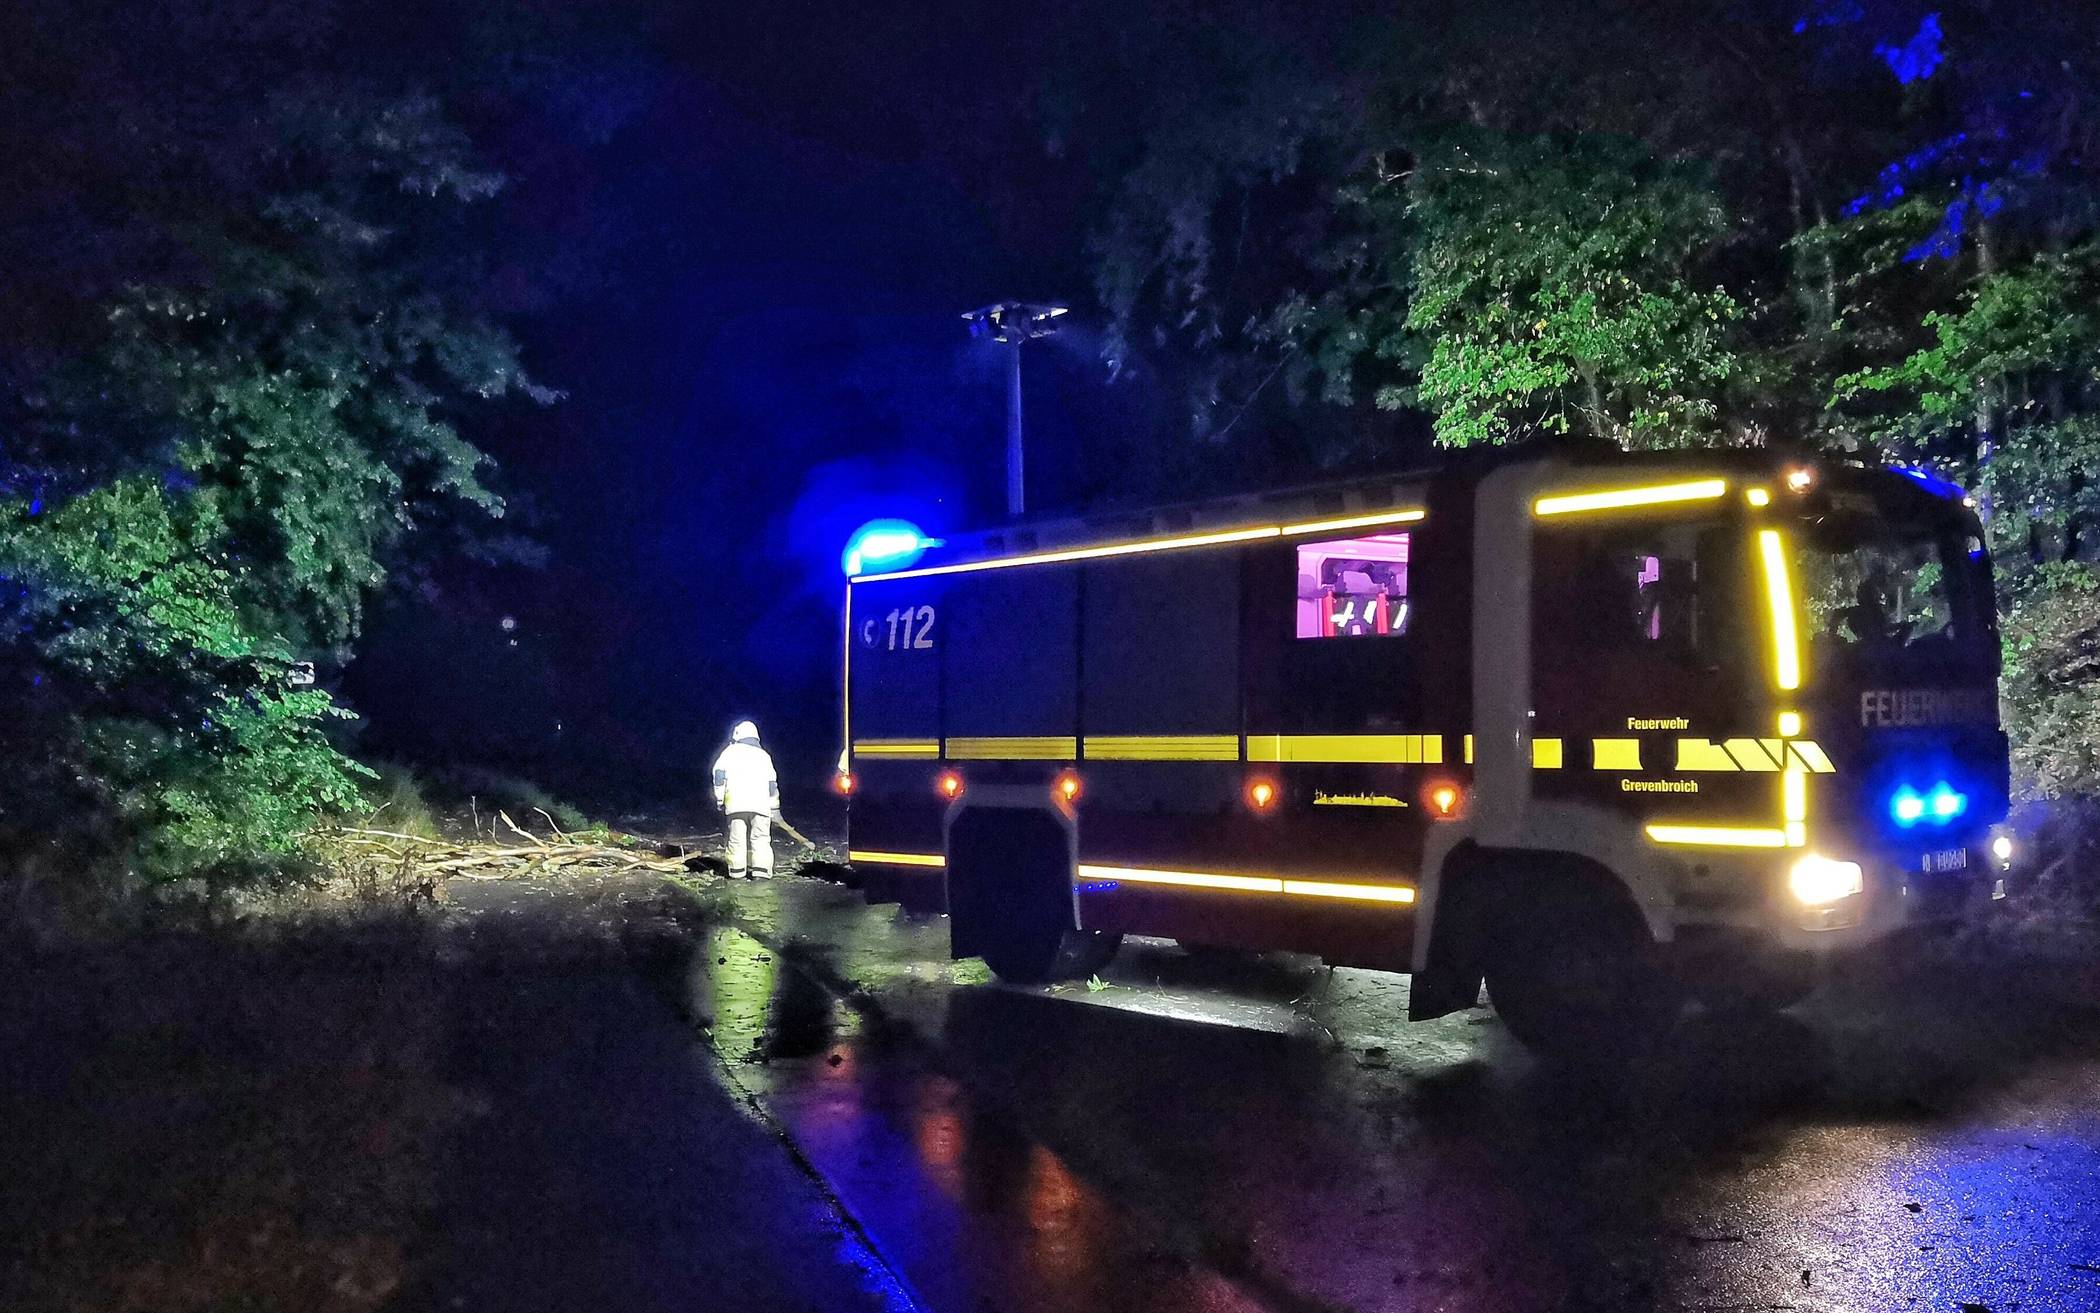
point(1353, 587)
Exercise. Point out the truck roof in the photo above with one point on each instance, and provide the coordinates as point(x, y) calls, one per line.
point(1365, 497)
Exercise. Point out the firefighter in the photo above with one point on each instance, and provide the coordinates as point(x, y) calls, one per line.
point(748, 792)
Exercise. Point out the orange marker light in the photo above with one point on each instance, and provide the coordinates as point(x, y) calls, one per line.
point(950, 784)
point(1068, 786)
point(843, 782)
point(1261, 793)
point(1443, 798)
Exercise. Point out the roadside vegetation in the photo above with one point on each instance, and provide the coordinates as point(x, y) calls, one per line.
point(235, 406)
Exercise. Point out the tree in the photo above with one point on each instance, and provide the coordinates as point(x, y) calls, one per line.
point(222, 434)
point(1551, 289)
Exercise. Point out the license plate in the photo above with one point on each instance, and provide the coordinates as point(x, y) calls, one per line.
point(1947, 859)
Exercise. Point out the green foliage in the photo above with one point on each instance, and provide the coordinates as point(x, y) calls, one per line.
point(2051, 685)
point(2002, 395)
point(239, 445)
point(170, 703)
point(1554, 285)
point(236, 798)
point(395, 799)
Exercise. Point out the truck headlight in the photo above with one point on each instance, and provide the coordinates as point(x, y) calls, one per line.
point(2002, 850)
point(1816, 880)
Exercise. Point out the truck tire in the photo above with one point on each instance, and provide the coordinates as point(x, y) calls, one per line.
point(1574, 973)
point(1045, 954)
point(1023, 912)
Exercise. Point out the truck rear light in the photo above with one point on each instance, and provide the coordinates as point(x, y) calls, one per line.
point(1444, 800)
point(1260, 794)
point(950, 785)
point(1068, 786)
point(843, 781)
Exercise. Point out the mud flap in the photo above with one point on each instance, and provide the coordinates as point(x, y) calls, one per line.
point(1456, 972)
point(1442, 990)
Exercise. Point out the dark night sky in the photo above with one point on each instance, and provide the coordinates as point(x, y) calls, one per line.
point(758, 282)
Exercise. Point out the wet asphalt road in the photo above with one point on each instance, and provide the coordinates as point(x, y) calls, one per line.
point(1268, 1133)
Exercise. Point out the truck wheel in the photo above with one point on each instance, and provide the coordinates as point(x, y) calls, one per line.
point(1043, 954)
point(1574, 973)
point(1010, 899)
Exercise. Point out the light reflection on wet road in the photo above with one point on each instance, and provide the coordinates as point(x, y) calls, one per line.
point(975, 1215)
point(1207, 1134)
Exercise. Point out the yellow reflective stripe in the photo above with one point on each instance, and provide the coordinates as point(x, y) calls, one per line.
point(1345, 890)
point(1399, 749)
point(1163, 747)
point(846, 686)
point(1352, 522)
point(1083, 553)
point(1779, 593)
point(1250, 884)
point(1793, 794)
point(1469, 749)
point(1607, 499)
point(1809, 755)
point(1362, 893)
point(1703, 754)
point(1718, 836)
point(1546, 754)
point(1010, 748)
point(1755, 754)
point(895, 859)
point(1172, 543)
point(919, 748)
point(1615, 754)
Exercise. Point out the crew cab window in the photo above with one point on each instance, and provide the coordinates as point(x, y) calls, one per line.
point(1669, 592)
point(1634, 617)
point(1353, 587)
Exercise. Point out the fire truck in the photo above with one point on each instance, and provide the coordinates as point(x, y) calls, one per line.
point(1597, 732)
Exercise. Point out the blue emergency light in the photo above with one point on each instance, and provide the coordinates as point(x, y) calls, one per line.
point(1930, 482)
point(884, 545)
point(1939, 805)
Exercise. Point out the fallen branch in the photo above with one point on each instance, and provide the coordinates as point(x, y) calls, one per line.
point(492, 861)
point(515, 828)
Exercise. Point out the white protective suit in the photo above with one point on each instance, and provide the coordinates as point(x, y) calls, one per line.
point(748, 792)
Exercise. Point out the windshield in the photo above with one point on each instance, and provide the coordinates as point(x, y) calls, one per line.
point(1880, 596)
